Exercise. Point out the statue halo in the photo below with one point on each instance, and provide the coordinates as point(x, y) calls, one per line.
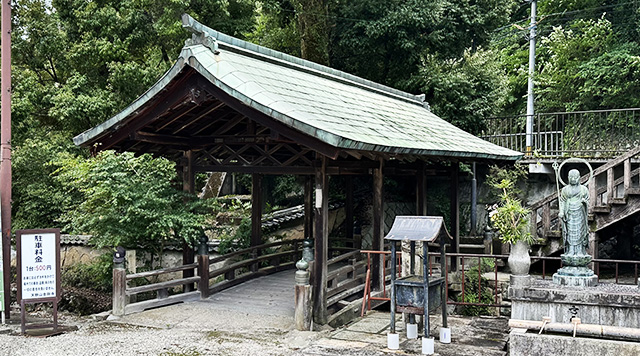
point(574, 159)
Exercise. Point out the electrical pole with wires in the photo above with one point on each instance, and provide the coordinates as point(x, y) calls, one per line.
point(532, 65)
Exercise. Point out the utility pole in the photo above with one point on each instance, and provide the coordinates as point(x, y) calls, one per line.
point(532, 65)
point(5, 147)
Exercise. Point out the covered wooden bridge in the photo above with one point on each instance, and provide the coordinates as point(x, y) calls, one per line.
point(231, 106)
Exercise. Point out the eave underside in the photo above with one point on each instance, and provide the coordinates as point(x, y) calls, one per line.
point(223, 134)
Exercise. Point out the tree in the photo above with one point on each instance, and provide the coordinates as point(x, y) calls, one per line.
point(467, 90)
point(130, 201)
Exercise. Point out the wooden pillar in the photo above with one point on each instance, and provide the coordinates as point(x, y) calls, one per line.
point(188, 185)
point(592, 247)
point(455, 211)
point(377, 268)
point(321, 244)
point(203, 267)
point(421, 190)
point(348, 222)
point(308, 207)
point(256, 209)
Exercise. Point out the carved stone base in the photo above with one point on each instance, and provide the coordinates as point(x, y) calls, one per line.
point(519, 281)
point(575, 281)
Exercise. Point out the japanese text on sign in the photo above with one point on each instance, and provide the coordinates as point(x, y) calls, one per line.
point(38, 253)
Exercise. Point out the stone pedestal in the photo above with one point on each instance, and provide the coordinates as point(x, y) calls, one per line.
point(605, 304)
point(575, 273)
point(519, 281)
point(575, 281)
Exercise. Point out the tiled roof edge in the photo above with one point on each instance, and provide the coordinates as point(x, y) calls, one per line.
point(318, 69)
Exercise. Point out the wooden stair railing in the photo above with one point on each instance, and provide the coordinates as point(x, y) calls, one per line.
point(607, 205)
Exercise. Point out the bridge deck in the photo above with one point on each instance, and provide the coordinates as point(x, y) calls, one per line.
point(269, 295)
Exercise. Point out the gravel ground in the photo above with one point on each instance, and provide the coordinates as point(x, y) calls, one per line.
point(189, 329)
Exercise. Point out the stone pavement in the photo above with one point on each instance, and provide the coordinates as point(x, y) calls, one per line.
point(485, 336)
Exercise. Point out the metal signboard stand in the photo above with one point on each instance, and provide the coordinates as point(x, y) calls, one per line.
point(38, 272)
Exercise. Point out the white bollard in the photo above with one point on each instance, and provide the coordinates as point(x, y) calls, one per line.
point(412, 331)
point(393, 341)
point(427, 346)
point(445, 335)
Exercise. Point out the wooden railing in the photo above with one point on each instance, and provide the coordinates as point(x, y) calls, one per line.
point(346, 276)
point(620, 181)
point(122, 291)
point(227, 270)
point(252, 262)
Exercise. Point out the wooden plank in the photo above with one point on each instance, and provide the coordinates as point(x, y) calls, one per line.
point(188, 185)
point(546, 219)
point(421, 190)
point(321, 235)
point(378, 228)
point(592, 194)
point(344, 256)
point(154, 303)
point(345, 270)
point(256, 213)
point(348, 221)
point(610, 186)
point(249, 276)
point(158, 272)
point(455, 211)
point(161, 285)
point(347, 284)
point(119, 288)
point(355, 290)
point(616, 214)
point(308, 207)
point(627, 176)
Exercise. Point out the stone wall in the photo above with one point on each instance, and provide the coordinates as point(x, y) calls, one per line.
point(532, 344)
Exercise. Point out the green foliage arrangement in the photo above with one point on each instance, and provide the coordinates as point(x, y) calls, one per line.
point(130, 201)
point(510, 219)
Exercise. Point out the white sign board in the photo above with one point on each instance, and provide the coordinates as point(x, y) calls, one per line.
point(39, 264)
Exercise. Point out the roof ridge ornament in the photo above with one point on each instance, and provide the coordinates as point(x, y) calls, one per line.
point(199, 36)
point(425, 103)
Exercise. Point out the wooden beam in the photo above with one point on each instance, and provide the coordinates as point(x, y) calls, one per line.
point(321, 243)
point(256, 169)
point(256, 209)
point(167, 99)
point(627, 177)
point(308, 207)
point(377, 268)
point(188, 185)
point(421, 190)
point(199, 117)
point(455, 211)
point(265, 120)
point(348, 221)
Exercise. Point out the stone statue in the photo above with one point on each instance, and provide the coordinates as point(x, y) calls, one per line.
point(573, 201)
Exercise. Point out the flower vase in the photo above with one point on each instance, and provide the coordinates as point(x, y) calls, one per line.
point(519, 259)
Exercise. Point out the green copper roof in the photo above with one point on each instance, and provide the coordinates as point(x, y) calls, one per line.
point(338, 108)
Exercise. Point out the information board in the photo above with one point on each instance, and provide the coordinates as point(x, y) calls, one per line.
point(38, 265)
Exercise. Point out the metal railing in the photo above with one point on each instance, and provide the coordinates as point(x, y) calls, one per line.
point(597, 133)
point(482, 283)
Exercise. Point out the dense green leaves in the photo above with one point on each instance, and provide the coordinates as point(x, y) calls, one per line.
point(77, 62)
point(129, 201)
